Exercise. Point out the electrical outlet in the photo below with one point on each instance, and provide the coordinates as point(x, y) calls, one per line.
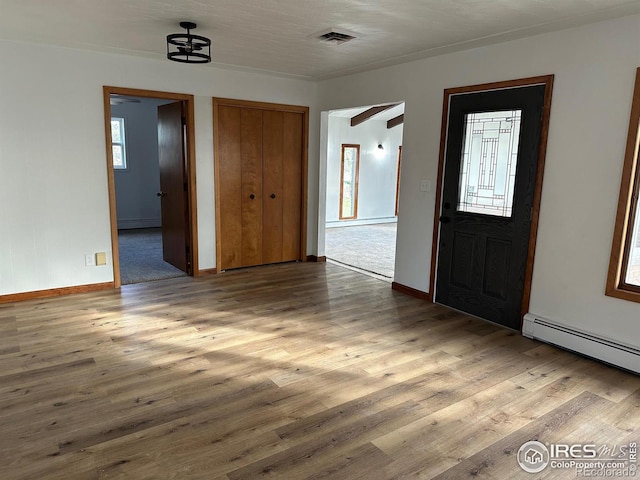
point(101, 258)
point(89, 260)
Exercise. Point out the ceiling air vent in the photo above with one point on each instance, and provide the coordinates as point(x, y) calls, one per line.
point(338, 38)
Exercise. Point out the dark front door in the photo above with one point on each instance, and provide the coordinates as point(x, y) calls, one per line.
point(492, 149)
point(173, 187)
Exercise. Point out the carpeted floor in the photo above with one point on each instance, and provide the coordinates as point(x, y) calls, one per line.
point(368, 247)
point(141, 256)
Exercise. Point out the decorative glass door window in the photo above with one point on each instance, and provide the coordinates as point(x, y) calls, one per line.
point(489, 160)
point(349, 181)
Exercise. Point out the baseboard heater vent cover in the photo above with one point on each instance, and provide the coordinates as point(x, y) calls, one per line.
point(608, 351)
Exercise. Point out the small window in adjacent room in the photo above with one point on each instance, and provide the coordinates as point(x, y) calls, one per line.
point(349, 182)
point(398, 179)
point(118, 143)
point(623, 280)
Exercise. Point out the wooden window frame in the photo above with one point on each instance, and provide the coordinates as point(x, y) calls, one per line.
point(398, 179)
point(627, 209)
point(357, 180)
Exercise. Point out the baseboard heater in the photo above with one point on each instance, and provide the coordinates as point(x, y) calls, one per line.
point(608, 351)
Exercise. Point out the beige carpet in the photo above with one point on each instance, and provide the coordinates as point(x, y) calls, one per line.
point(368, 247)
point(141, 256)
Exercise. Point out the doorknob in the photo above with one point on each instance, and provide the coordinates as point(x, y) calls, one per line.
point(273, 195)
point(445, 219)
point(252, 196)
point(161, 194)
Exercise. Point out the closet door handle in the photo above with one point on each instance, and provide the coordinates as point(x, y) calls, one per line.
point(161, 194)
point(252, 196)
point(273, 195)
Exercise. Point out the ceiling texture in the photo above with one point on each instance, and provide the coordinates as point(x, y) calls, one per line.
point(280, 36)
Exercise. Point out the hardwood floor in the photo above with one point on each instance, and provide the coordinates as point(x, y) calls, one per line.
point(297, 371)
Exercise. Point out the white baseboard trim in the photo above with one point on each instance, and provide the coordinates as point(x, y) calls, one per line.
point(364, 221)
point(139, 223)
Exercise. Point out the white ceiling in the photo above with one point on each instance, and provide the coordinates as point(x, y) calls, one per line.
point(278, 35)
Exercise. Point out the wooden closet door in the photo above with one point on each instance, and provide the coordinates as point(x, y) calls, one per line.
point(260, 160)
point(292, 201)
point(282, 189)
point(240, 185)
point(251, 187)
point(272, 174)
point(230, 187)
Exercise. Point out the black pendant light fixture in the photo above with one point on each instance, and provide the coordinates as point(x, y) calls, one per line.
point(188, 48)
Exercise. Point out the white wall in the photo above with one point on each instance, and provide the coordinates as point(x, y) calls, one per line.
point(594, 69)
point(53, 179)
point(53, 185)
point(378, 169)
point(137, 203)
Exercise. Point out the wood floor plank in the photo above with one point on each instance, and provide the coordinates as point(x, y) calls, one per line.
point(499, 459)
point(364, 462)
point(293, 371)
point(310, 454)
point(625, 414)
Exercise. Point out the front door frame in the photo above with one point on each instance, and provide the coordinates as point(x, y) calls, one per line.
point(546, 80)
point(191, 169)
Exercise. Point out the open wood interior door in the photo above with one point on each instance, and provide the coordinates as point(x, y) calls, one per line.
point(176, 241)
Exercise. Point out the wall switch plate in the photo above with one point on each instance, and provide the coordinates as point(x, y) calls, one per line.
point(425, 185)
point(89, 260)
point(101, 258)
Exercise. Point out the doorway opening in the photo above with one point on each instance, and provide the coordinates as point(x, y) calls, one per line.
point(363, 160)
point(151, 176)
